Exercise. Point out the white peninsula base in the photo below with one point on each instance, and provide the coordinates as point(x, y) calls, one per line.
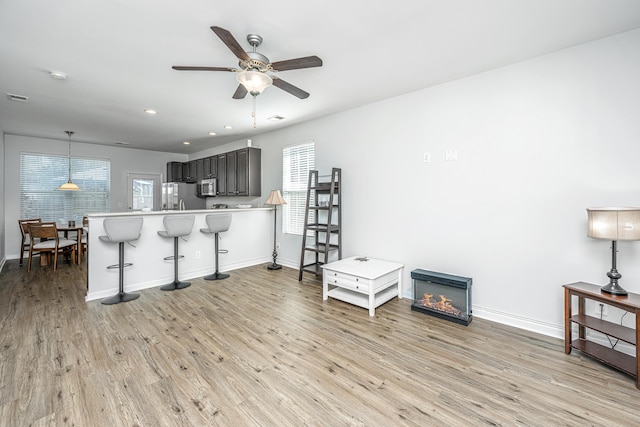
point(248, 242)
point(366, 284)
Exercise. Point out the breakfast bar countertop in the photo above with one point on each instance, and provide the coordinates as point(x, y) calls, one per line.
point(175, 212)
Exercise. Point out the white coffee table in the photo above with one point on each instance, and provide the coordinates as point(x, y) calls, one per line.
point(367, 284)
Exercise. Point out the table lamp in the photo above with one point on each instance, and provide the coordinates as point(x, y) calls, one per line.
point(275, 198)
point(614, 223)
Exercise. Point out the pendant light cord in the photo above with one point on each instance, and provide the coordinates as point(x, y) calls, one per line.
point(68, 132)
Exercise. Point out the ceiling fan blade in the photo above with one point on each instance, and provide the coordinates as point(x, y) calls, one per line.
point(240, 93)
point(296, 64)
point(189, 68)
point(288, 87)
point(233, 45)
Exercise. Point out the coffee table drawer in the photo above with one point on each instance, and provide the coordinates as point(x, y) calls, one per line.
point(347, 281)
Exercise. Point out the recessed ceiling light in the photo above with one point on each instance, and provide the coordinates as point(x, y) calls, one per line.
point(186, 143)
point(228, 127)
point(212, 134)
point(151, 112)
point(58, 75)
point(275, 118)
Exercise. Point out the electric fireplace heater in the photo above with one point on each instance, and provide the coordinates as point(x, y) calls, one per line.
point(442, 295)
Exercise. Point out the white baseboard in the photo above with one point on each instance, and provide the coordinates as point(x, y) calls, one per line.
point(544, 328)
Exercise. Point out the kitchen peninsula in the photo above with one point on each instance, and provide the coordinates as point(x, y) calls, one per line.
point(248, 241)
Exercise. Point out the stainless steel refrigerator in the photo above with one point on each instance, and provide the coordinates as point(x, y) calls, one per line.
point(180, 196)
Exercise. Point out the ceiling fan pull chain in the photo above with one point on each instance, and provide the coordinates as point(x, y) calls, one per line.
point(253, 110)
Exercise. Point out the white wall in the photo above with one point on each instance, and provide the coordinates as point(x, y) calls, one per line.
point(123, 161)
point(538, 142)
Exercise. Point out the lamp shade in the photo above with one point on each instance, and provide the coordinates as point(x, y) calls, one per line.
point(69, 186)
point(254, 81)
point(614, 223)
point(275, 198)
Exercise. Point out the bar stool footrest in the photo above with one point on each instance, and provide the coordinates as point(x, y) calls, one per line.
point(126, 264)
point(167, 258)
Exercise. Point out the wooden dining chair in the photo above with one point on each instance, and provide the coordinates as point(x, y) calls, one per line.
point(85, 234)
point(82, 244)
point(25, 242)
point(45, 239)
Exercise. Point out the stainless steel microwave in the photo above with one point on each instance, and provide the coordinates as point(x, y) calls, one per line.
point(207, 187)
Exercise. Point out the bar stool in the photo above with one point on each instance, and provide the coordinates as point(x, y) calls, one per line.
point(217, 223)
point(121, 230)
point(176, 226)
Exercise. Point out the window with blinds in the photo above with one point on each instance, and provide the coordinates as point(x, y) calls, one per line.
point(297, 161)
point(42, 174)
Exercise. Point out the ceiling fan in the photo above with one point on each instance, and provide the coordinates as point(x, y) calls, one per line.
point(253, 78)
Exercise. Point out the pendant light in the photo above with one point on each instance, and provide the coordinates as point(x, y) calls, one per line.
point(69, 185)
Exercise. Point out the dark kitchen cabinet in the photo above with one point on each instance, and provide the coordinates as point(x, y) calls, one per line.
point(222, 174)
point(209, 167)
point(189, 171)
point(213, 166)
point(231, 174)
point(174, 172)
point(244, 172)
point(200, 173)
point(238, 172)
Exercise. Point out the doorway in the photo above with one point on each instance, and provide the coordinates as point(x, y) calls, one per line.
point(143, 191)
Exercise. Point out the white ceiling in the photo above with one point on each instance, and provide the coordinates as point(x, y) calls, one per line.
point(118, 56)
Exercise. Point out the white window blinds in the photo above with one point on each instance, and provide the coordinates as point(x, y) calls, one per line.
point(297, 161)
point(42, 174)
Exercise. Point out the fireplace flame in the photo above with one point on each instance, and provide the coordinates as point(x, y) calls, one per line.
point(444, 305)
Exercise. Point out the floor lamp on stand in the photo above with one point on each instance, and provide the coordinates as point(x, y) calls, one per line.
point(275, 199)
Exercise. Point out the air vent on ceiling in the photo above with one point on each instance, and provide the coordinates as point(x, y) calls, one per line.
point(17, 98)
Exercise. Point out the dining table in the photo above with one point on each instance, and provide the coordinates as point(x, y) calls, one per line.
point(66, 228)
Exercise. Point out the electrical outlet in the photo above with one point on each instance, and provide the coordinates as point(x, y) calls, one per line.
point(601, 308)
point(198, 254)
point(426, 157)
point(277, 245)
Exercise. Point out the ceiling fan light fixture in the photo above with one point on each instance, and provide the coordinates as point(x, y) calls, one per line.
point(254, 81)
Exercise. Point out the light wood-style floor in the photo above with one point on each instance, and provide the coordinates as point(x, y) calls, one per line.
point(262, 349)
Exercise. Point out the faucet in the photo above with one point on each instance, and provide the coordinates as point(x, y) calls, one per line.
point(181, 205)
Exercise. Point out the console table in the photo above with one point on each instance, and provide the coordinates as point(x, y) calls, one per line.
point(367, 284)
point(630, 303)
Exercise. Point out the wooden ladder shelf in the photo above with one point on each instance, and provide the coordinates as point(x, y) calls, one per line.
point(322, 234)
